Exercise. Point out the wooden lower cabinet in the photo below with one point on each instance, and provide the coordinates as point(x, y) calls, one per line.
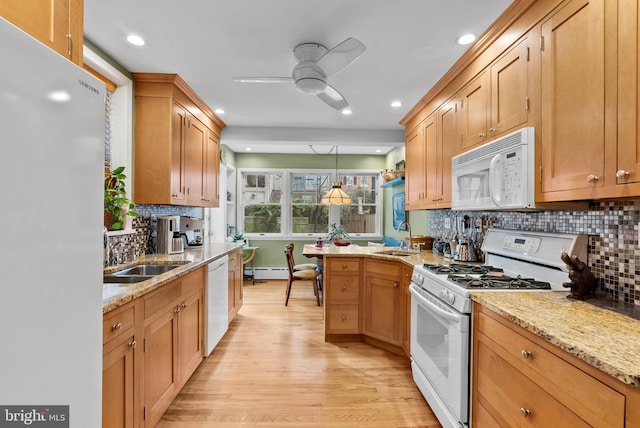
point(236, 297)
point(151, 348)
point(368, 299)
point(520, 379)
point(119, 390)
point(383, 301)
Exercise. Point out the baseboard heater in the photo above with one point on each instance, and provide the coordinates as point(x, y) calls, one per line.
point(271, 272)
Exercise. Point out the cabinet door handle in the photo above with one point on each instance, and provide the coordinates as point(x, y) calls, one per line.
point(184, 305)
point(177, 309)
point(396, 284)
point(592, 178)
point(526, 354)
point(117, 326)
point(344, 288)
point(622, 174)
point(133, 344)
point(525, 412)
point(481, 135)
point(344, 266)
point(344, 317)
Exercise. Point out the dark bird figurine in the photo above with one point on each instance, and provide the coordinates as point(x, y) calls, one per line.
point(582, 282)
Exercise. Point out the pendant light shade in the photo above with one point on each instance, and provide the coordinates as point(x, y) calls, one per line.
point(336, 196)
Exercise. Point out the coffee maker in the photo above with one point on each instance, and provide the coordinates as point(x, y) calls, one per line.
point(191, 229)
point(169, 240)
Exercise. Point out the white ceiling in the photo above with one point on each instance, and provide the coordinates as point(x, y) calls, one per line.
point(410, 45)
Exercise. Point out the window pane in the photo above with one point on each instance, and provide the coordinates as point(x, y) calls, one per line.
point(308, 215)
point(262, 219)
point(358, 218)
point(261, 195)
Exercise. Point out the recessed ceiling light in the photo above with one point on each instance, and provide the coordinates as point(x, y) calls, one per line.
point(466, 39)
point(135, 40)
point(346, 111)
point(396, 104)
point(218, 111)
point(247, 149)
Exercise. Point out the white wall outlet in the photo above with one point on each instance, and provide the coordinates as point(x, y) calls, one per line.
point(447, 223)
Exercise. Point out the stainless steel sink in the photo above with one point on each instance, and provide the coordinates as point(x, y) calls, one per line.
point(146, 269)
point(124, 279)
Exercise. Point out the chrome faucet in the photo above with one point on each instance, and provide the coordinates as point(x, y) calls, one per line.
point(114, 253)
point(403, 222)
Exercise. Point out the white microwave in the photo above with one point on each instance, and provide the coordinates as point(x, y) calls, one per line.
point(498, 175)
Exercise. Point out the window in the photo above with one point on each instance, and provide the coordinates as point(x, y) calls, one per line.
point(288, 203)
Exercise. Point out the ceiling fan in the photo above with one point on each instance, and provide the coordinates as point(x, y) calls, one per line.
point(315, 65)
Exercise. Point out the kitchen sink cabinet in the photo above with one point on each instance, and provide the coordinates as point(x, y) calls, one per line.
point(173, 341)
point(119, 388)
point(342, 278)
point(520, 379)
point(235, 283)
point(383, 303)
point(176, 144)
point(57, 23)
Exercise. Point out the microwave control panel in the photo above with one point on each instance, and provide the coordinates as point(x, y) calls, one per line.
point(512, 177)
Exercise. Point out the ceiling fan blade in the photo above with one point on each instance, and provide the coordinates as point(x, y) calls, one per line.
point(341, 56)
point(333, 98)
point(263, 79)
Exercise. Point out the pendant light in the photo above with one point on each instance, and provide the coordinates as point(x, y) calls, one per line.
point(336, 196)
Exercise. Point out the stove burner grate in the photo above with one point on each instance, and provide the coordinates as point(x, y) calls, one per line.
point(460, 268)
point(498, 282)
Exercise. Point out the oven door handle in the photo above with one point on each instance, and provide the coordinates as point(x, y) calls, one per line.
point(444, 314)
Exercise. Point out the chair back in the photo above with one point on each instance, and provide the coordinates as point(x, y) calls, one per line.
point(288, 253)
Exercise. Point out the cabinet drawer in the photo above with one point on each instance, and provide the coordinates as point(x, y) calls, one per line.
point(343, 318)
point(343, 288)
point(377, 267)
point(515, 398)
point(192, 282)
point(344, 265)
point(117, 322)
point(575, 388)
point(162, 298)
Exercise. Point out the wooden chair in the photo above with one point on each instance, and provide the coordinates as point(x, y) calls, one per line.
point(300, 275)
point(302, 266)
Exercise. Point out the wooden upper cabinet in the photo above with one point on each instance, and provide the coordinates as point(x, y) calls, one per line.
point(474, 112)
point(627, 168)
point(510, 89)
point(414, 165)
point(177, 161)
point(432, 159)
point(56, 23)
point(447, 141)
point(573, 97)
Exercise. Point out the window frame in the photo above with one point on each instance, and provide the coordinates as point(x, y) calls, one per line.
point(287, 204)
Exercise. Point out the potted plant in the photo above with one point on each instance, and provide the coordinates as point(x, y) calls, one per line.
point(338, 235)
point(239, 237)
point(116, 203)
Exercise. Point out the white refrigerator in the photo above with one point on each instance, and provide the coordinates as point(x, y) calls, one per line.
point(51, 169)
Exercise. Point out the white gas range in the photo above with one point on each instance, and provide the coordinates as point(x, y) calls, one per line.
point(441, 308)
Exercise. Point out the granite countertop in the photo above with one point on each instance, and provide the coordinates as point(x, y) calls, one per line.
point(605, 339)
point(414, 257)
point(116, 295)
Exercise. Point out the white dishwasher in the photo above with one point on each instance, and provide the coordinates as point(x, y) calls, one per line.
point(217, 303)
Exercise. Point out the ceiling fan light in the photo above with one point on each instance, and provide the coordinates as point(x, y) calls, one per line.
point(336, 196)
point(311, 85)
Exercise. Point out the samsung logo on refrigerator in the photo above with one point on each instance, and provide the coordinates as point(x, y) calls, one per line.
point(88, 86)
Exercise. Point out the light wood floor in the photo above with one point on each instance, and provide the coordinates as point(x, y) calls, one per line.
point(274, 369)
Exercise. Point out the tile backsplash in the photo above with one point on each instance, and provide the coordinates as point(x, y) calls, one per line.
point(612, 226)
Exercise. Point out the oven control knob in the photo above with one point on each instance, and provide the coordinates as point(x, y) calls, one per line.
point(447, 296)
